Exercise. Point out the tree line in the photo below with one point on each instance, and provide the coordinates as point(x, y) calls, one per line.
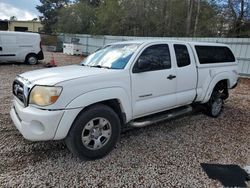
point(164, 18)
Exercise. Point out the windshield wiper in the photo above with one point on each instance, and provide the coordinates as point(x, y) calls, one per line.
point(100, 66)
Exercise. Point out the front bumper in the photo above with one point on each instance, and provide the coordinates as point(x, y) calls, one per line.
point(35, 124)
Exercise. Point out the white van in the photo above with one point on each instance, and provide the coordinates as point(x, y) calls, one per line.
point(20, 47)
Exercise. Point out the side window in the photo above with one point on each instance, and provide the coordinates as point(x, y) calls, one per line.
point(214, 54)
point(182, 55)
point(155, 57)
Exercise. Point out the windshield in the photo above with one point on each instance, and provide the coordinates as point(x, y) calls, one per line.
point(113, 56)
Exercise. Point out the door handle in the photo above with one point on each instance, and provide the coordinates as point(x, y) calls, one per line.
point(1, 49)
point(170, 77)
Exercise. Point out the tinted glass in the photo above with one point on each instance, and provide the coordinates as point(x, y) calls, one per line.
point(214, 54)
point(157, 57)
point(182, 55)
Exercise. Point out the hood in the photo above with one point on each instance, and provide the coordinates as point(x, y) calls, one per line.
point(53, 76)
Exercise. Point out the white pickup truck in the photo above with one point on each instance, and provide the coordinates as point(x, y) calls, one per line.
point(126, 84)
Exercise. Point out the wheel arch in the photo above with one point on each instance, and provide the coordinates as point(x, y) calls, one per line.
point(219, 80)
point(114, 104)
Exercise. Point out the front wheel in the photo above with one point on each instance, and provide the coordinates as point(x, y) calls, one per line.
point(215, 105)
point(94, 133)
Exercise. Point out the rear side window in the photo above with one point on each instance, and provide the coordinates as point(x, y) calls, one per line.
point(214, 54)
point(182, 55)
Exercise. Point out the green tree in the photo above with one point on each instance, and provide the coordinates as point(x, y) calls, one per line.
point(77, 18)
point(172, 18)
point(239, 12)
point(234, 17)
point(13, 18)
point(94, 3)
point(208, 25)
point(49, 10)
point(109, 17)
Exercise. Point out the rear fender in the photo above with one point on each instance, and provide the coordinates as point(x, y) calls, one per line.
point(231, 81)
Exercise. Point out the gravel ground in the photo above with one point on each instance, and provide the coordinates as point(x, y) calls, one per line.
point(164, 155)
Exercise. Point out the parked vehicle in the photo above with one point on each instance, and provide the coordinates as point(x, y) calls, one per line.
point(133, 83)
point(20, 47)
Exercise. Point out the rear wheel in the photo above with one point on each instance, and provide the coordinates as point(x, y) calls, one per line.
point(215, 104)
point(31, 59)
point(94, 133)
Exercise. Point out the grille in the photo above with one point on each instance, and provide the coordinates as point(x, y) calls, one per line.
point(18, 90)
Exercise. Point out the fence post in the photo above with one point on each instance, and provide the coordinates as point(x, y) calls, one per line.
point(87, 45)
point(104, 40)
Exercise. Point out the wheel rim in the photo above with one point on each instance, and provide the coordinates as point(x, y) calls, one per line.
point(217, 106)
point(96, 133)
point(32, 60)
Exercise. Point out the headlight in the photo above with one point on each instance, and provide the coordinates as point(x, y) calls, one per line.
point(44, 95)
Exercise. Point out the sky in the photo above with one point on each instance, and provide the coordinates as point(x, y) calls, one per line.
point(22, 9)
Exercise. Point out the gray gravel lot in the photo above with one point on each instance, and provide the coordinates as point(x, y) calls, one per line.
point(164, 155)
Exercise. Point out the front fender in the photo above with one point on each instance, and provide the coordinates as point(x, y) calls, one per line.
point(74, 107)
point(99, 95)
point(229, 76)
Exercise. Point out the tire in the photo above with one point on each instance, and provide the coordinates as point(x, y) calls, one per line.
point(215, 105)
point(31, 59)
point(94, 133)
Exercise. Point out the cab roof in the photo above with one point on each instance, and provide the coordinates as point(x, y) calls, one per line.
point(149, 41)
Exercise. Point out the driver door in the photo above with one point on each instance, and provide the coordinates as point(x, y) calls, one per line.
point(153, 81)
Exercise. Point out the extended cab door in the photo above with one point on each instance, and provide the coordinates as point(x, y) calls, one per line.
point(186, 72)
point(153, 81)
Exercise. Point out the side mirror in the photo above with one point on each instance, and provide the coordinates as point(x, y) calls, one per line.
point(143, 65)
